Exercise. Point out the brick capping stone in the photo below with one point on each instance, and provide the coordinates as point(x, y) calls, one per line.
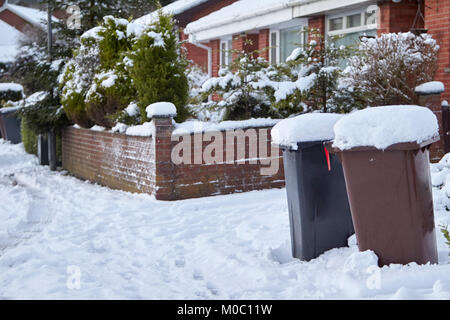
point(144, 164)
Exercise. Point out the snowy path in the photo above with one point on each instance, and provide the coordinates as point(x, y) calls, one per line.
point(133, 247)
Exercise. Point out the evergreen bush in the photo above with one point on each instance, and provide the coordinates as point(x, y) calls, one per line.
point(118, 62)
point(158, 67)
point(29, 138)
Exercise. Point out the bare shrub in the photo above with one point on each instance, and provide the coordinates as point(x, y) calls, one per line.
point(388, 68)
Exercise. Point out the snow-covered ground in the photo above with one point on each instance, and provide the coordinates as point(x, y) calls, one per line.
point(134, 247)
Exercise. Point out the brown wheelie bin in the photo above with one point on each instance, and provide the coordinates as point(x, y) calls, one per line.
point(391, 201)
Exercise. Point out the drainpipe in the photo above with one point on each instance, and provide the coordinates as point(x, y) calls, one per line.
point(209, 49)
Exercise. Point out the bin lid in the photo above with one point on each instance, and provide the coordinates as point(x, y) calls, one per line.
point(304, 130)
point(388, 127)
point(9, 110)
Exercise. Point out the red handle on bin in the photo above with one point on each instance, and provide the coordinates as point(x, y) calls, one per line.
point(327, 155)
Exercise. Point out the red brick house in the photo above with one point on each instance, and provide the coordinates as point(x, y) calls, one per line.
point(21, 18)
point(15, 22)
point(185, 12)
point(275, 23)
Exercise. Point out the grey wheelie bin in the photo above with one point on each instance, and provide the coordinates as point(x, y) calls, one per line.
point(10, 125)
point(319, 212)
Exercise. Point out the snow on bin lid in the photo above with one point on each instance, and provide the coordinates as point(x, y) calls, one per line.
point(381, 127)
point(432, 87)
point(161, 109)
point(305, 128)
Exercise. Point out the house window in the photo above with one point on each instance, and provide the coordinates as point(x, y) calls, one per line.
point(291, 39)
point(336, 24)
point(274, 53)
point(284, 41)
point(226, 57)
point(354, 21)
point(352, 25)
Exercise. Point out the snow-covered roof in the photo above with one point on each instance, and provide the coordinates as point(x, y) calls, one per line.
point(9, 42)
point(34, 16)
point(174, 8)
point(240, 16)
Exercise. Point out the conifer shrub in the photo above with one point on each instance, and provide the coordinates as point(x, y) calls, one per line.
point(158, 67)
point(10, 92)
point(120, 62)
point(78, 76)
point(29, 138)
point(112, 88)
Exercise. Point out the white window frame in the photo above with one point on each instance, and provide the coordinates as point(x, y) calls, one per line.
point(345, 29)
point(225, 41)
point(277, 31)
point(277, 44)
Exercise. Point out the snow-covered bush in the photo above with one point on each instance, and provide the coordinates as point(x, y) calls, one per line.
point(239, 87)
point(157, 66)
point(317, 85)
point(78, 76)
point(111, 90)
point(10, 92)
point(389, 68)
point(118, 62)
point(309, 80)
point(96, 84)
point(42, 112)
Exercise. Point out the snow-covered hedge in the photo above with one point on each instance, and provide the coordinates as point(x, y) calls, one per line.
point(390, 67)
point(122, 65)
point(10, 92)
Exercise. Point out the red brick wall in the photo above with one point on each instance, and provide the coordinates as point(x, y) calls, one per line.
point(114, 160)
point(215, 47)
point(437, 21)
point(433, 102)
point(264, 43)
point(197, 55)
point(398, 17)
point(245, 43)
point(316, 23)
point(138, 164)
point(197, 180)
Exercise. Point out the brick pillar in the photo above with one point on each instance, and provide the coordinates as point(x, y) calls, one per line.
point(433, 102)
point(437, 13)
point(245, 43)
point(264, 43)
point(316, 24)
point(215, 47)
point(397, 17)
point(163, 163)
